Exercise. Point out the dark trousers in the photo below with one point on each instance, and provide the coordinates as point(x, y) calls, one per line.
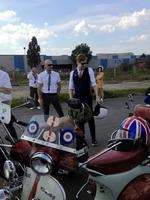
point(34, 95)
point(54, 100)
point(91, 122)
point(11, 128)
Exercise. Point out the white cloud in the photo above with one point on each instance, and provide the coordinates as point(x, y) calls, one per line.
point(139, 38)
point(134, 19)
point(82, 27)
point(107, 28)
point(16, 35)
point(8, 15)
point(109, 24)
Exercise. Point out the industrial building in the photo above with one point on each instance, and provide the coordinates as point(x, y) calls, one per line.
point(63, 63)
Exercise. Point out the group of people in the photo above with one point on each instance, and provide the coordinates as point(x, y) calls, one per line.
point(46, 86)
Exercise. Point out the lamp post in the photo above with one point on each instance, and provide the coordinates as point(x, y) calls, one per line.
point(25, 59)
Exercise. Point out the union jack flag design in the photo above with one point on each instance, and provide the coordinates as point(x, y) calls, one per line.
point(136, 128)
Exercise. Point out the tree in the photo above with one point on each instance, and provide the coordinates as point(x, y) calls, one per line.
point(82, 48)
point(33, 53)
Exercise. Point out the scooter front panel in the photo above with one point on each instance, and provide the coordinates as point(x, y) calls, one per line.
point(43, 187)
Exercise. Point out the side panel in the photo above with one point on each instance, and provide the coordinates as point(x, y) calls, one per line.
point(138, 189)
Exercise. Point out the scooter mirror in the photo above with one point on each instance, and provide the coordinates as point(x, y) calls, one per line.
point(5, 113)
point(9, 170)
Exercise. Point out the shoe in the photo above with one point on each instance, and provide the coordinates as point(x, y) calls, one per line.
point(32, 108)
point(38, 107)
point(94, 143)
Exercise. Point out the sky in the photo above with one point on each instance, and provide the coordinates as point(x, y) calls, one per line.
point(107, 26)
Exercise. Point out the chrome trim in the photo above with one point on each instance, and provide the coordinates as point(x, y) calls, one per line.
point(42, 156)
point(48, 144)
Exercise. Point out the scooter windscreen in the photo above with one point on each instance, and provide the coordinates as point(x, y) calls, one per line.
point(5, 108)
point(54, 132)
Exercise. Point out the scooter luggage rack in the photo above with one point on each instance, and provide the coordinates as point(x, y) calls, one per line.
point(48, 144)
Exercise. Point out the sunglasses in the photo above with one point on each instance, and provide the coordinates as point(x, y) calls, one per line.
point(50, 64)
point(83, 63)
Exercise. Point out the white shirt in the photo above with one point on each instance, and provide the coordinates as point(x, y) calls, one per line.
point(32, 81)
point(91, 74)
point(43, 78)
point(5, 82)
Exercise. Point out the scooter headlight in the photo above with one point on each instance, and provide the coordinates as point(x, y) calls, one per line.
point(41, 163)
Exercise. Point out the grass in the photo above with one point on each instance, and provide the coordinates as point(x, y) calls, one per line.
point(108, 94)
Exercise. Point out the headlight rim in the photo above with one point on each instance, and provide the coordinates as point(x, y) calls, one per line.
point(44, 156)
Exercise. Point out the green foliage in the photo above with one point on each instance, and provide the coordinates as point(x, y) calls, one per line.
point(82, 48)
point(33, 53)
point(17, 102)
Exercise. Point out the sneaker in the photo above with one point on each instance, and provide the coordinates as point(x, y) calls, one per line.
point(38, 107)
point(94, 143)
point(32, 108)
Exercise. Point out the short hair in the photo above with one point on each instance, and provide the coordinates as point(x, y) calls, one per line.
point(81, 57)
point(48, 61)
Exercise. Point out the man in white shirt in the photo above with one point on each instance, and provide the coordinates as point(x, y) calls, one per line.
point(33, 79)
point(5, 96)
point(81, 81)
point(48, 89)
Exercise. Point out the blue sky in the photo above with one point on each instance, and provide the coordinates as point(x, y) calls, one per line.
point(105, 25)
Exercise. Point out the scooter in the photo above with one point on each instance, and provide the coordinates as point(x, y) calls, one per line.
point(122, 171)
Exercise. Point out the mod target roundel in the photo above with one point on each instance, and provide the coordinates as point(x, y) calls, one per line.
point(67, 136)
point(33, 127)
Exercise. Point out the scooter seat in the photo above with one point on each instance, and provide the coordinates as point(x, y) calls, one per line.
point(142, 111)
point(113, 161)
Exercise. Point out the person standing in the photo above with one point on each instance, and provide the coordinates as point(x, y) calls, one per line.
point(6, 96)
point(100, 82)
point(33, 78)
point(81, 81)
point(49, 87)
